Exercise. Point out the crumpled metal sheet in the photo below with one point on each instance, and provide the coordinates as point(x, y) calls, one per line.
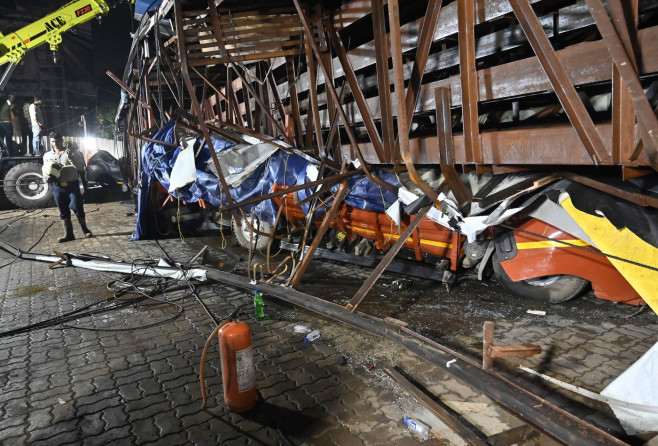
point(256, 173)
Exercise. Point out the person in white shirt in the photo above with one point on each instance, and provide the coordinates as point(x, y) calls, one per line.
point(36, 118)
point(62, 168)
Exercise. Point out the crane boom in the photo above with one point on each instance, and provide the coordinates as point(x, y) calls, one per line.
point(49, 28)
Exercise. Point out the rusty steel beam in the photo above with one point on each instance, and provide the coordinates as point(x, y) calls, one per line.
point(546, 145)
point(322, 230)
point(246, 100)
point(465, 432)
point(276, 97)
point(420, 61)
point(332, 91)
point(623, 114)
point(403, 120)
point(390, 254)
point(383, 80)
point(646, 116)
point(469, 80)
point(231, 104)
point(294, 99)
point(195, 104)
point(532, 409)
point(359, 98)
point(639, 199)
point(264, 96)
point(333, 128)
point(235, 105)
point(446, 148)
point(326, 58)
point(526, 76)
point(560, 80)
point(313, 97)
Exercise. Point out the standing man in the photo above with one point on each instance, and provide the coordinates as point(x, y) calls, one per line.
point(6, 129)
point(61, 168)
point(36, 118)
point(16, 125)
point(27, 128)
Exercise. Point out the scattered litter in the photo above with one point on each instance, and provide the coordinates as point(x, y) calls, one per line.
point(312, 336)
point(537, 312)
point(400, 284)
point(61, 401)
point(301, 329)
point(416, 426)
point(452, 361)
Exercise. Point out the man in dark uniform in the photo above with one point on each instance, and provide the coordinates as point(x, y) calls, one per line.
point(62, 168)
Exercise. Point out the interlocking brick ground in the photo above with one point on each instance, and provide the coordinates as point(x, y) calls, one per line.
point(66, 385)
point(63, 385)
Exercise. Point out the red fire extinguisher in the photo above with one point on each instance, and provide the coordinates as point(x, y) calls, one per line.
point(238, 372)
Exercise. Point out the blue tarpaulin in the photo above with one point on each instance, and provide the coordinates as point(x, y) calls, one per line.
point(281, 168)
point(143, 6)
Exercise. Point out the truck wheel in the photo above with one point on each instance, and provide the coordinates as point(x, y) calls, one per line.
point(242, 233)
point(24, 186)
point(553, 289)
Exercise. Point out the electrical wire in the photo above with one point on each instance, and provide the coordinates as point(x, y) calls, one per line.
point(611, 256)
point(131, 283)
point(192, 288)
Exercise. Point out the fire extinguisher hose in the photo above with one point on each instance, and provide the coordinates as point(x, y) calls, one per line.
point(202, 368)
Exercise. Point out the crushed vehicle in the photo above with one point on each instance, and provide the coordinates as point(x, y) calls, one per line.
point(517, 222)
point(527, 127)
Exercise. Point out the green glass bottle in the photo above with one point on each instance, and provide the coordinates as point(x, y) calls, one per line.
point(258, 305)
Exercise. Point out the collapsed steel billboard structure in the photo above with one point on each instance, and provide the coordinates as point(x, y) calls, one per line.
point(472, 89)
point(464, 109)
point(522, 80)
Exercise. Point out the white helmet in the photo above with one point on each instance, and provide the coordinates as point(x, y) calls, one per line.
point(51, 168)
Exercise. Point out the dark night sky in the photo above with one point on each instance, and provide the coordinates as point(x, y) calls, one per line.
point(112, 43)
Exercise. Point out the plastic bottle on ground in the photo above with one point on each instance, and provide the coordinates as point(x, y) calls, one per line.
point(312, 336)
point(258, 305)
point(416, 426)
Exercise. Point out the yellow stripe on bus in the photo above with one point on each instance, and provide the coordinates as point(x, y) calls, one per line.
point(550, 244)
point(397, 236)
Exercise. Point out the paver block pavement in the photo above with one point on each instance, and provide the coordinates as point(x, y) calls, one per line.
point(140, 386)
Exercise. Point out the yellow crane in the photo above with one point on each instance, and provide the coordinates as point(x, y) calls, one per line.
point(47, 29)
